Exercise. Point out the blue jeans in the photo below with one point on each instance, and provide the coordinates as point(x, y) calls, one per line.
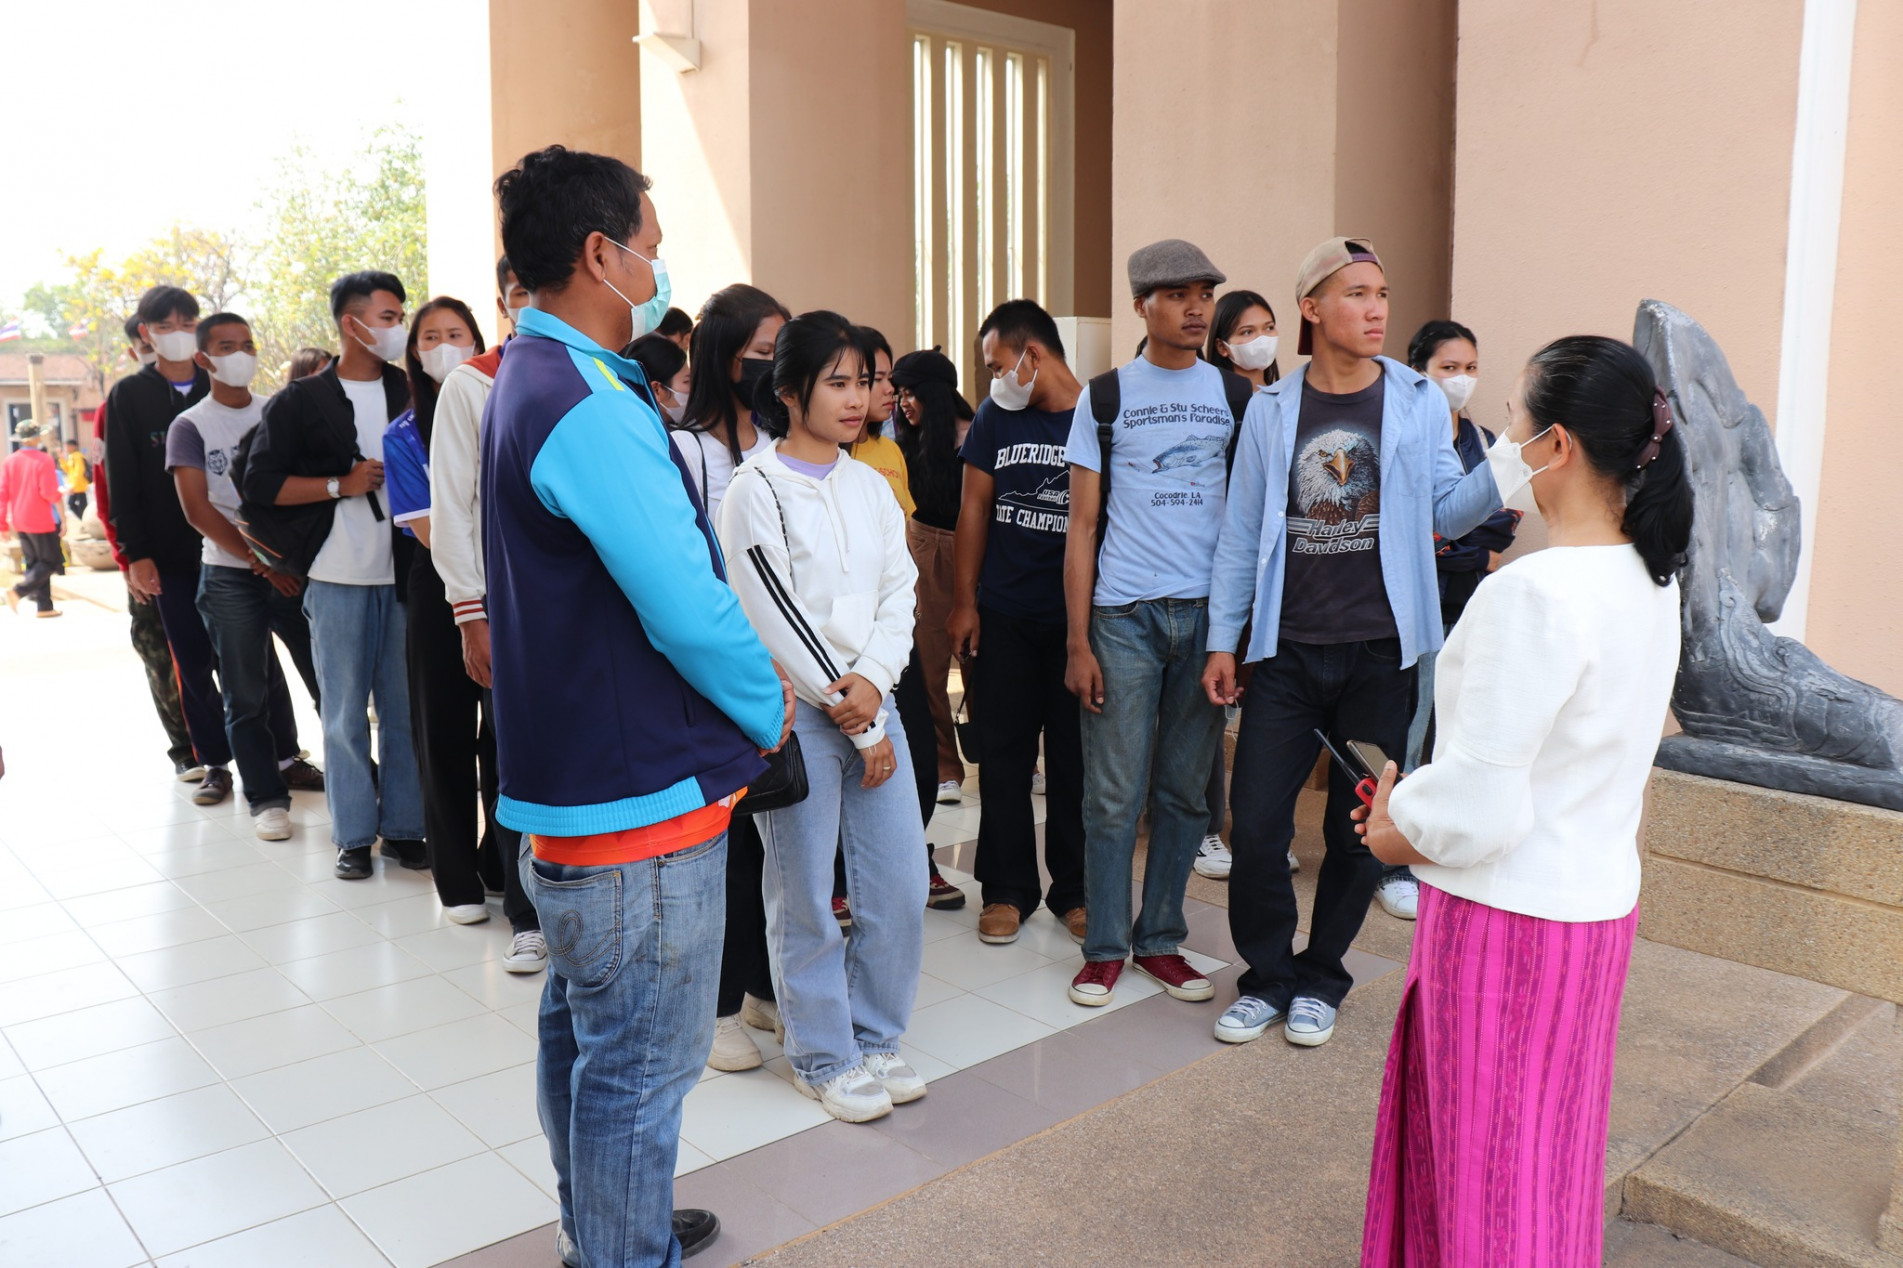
point(357, 641)
point(626, 1025)
point(241, 611)
point(1151, 654)
point(844, 1000)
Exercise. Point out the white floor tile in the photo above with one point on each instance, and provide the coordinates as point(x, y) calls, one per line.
point(193, 962)
point(29, 924)
point(272, 907)
point(1203, 963)
point(22, 892)
point(203, 1005)
point(459, 1051)
point(689, 1159)
point(499, 1107)
point(1043, 995)
point(454, 946)
point(322, 1088)
point(10, 1064)
point(530, 1157)
point(107, 874)
point(1046, 935)
point(88, 1032)
point(156, 932)
point(967, 1030)
point(237, 882)
point(357, 969)
point(70, 950)
point(968, 963)
point(727, 1116)
point(84, 1231)
point(378, 1146)
point(99, 1085)
point(933, 990)
point(224, 855)
point(413, 914)
point(322, 1237)
point(302, 939)
point(197, 831)
point(524, 1017)
point(263, 1043)
point(425, 1219)
point(61, 992)
point(124, 904)
point(390, 882)
point(41, 1167)
point(23, 1110)
point(404, 1008)
point(495, 986)
point(165, 1132)
point(215, 1196)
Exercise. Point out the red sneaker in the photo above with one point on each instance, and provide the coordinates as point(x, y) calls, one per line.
point(842, 913)
point(1176, 975)
point(1095, 983)
point(942, 894)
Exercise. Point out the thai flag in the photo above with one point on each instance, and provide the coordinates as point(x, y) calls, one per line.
point(10, 330)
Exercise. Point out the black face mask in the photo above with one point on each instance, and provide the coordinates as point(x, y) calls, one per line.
point(752, 371)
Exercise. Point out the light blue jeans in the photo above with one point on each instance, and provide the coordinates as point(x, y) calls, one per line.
point(627, 1022)
point(1154, 709)
point(845, 999)
point(357, 644)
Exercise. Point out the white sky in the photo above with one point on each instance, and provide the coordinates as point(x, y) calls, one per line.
point(125, 116)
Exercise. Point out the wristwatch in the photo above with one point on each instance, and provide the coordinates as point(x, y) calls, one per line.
point(333, 488)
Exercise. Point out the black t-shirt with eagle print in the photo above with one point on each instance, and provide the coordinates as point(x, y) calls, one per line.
point(1333, 591)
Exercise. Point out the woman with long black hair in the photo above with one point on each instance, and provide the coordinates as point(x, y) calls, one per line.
point(731, 350)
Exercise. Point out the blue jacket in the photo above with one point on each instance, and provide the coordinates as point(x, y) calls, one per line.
point(629, 688)
point(1424, 490)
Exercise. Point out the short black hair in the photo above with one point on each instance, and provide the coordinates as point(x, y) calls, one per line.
point(362, 285)
point(211, 323)
point(553, 199)
point(1017, 320)
point(162, 302)
point(503, 273)
point(1428, 339)
point(675, 323)
point(132, 328)
point(660, 358)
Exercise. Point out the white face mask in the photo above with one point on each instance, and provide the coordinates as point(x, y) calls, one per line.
point(1007, 392)
point(234, 369)
point(441, 358)
point(1459, 389)
point(387, 342)
point(1511, 475)
point(674, 410)
point(1254, 354)
point(175, 345)
point(148, 358)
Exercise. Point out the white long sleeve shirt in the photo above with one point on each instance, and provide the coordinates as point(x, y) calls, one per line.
point(1550, 695)
point(455, 490)
point(829, 589)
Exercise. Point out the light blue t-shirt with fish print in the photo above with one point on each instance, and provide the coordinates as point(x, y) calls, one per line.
point(1169, 473)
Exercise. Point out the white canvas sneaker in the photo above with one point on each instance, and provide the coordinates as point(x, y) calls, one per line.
point(851, 1097)
point(734, 1048)
point(1213, 858)
point(274, 824)
point(467, 914)
point(900, 1081)
point(528, 952)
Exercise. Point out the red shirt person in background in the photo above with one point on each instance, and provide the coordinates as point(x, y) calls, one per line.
point(29, 508)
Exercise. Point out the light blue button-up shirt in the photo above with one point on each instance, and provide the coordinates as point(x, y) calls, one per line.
point(1424, 490)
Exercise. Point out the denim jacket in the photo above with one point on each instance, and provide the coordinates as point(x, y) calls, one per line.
point(1424, 490)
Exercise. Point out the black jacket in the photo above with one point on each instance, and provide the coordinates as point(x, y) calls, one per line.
point(145, 510)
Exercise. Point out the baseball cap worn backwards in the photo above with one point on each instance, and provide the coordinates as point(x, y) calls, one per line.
point(1171, 262)
point(1323, 262)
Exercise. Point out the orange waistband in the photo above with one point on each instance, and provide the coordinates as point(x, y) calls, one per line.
point(632, 845)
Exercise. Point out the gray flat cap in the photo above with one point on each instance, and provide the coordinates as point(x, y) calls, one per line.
point(1170, 262)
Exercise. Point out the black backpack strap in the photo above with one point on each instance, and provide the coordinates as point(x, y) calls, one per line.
point(1238, 390)
point(1106, 402)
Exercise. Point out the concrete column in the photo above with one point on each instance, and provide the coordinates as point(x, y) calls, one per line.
point(36, 393)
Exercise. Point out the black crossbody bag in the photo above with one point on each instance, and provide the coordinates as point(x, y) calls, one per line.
point(784, 783)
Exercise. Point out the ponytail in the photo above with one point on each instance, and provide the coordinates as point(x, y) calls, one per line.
point(1603, 392)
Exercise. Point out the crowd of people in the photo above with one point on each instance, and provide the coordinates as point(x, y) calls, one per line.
point(657, 617)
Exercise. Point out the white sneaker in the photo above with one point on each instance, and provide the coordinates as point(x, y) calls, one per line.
point(733, 1047)
point(274, 824)
point(900, 1081)
point(1310, 1022)
point(1294, 864)
point(762, 1014)
point(1037, 783)
point(1213, 858)
point(948, 793)
point(528, 953)
point(1399, 895)
point(468, 914)
point(852, 1097)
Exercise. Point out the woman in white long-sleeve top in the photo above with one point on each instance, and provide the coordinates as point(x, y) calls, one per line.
point(815, 544)
point(1490, 1147)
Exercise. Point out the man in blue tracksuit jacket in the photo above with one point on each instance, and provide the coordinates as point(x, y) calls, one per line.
point(632, 701)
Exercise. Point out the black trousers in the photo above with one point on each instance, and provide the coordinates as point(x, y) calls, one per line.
point(1352, 691)
point(744, 968)
point(197, 665)
point(42, 559)
point(453, 731)
point(1021, 695)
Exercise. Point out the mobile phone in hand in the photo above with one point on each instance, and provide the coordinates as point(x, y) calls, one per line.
point(1372, 759)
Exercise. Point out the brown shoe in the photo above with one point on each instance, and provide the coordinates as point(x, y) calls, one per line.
point(998, 923)
point(1075, 921)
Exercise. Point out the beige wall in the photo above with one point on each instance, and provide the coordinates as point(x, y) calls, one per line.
point(569, 75)
point(1856, 605)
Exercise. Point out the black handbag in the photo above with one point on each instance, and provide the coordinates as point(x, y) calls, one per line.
point(783, 785)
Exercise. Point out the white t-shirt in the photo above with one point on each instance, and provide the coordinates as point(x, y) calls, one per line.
point(711, 463)
point(357, 552)
point(206, 436)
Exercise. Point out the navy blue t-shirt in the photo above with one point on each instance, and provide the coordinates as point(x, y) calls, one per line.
point(1023, 451)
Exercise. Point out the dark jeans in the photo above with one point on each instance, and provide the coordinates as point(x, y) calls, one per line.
point(744, 969)
point(453, 729)
point(41, 559)
point(1352, 691)
point(1021, 695)
point(197, 663)
point(240, 612)
point(76, 503)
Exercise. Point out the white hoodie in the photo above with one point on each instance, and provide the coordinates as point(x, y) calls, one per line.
point(829, 588)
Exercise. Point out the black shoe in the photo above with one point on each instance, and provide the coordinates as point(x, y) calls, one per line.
point(214, 788)
point(301, 776)
point(354, 864)
point(695, 1228)
point(941, 894)
point(411, 854)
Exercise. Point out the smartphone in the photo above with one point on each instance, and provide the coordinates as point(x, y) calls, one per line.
point(1365, 780)
point(1372, 759)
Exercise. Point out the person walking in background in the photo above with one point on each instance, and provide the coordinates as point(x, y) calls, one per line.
point(242, 602)
point(1344, 473)
point(1490, 1148)
point(78, 473)
point(732, 351)
point(621, 752)
point(29, 509)
point(1008, 610)
point(933, 419)
point(822, 571)
point(317, 460)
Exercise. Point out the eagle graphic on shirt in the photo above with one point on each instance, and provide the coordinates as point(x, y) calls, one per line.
point(1338, 478)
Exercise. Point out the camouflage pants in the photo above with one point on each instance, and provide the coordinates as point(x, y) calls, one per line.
point(148, 639)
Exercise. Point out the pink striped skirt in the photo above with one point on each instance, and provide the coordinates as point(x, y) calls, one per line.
point(1490, 1148)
